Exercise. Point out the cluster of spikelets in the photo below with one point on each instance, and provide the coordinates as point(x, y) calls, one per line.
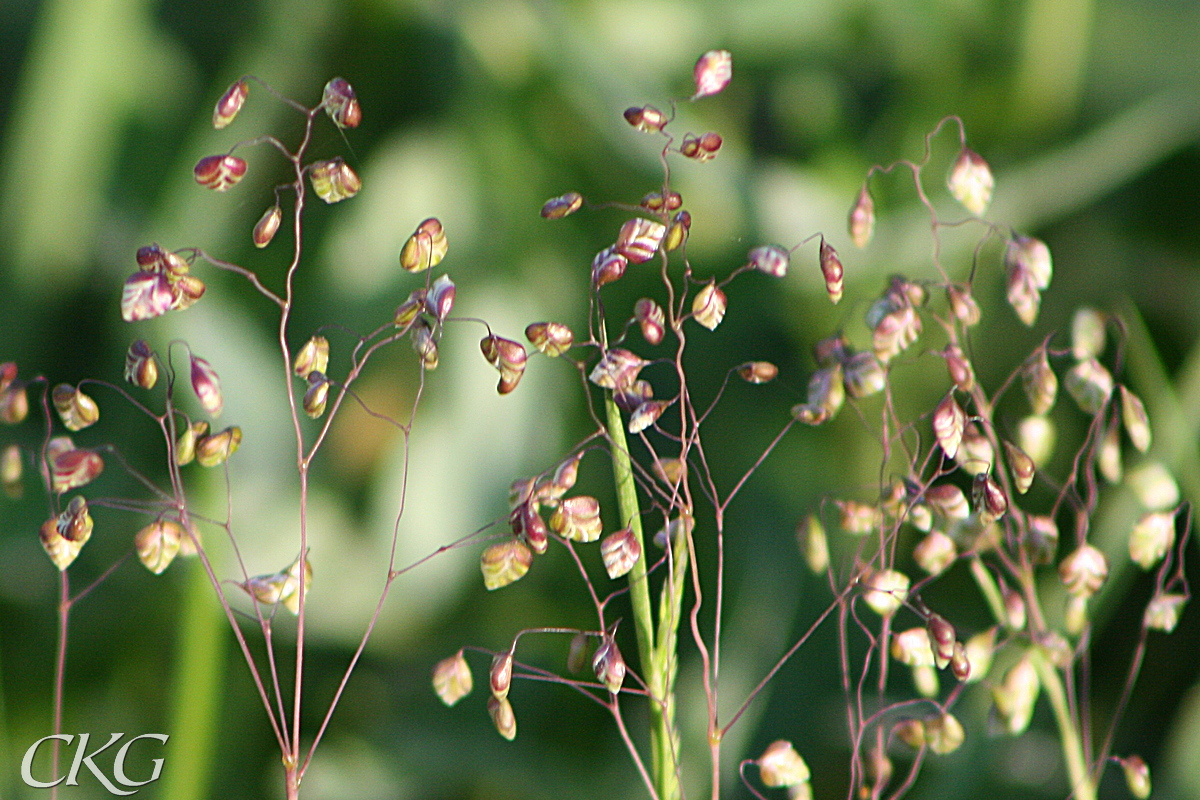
point(539, 506)
point(163, 282)
point(956, 527)
point(952, 525)
point(663, 230)
point(72, 467)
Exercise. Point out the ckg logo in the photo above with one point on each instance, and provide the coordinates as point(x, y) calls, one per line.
point(84, 759)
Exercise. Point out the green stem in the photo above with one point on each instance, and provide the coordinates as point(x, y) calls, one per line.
point(1082, 784)
point(670, 614)
point(991, 592)
point(657, 667)
point(198, 687)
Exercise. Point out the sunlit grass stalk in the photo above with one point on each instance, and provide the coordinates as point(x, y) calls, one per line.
point(1082, 785)
point(1070, 742)
point(657, 662)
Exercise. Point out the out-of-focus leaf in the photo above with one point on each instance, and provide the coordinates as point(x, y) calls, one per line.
point(90, 64)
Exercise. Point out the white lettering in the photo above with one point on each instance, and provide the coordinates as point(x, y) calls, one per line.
point(119, 764)
point(27, 761)
point(84, 759)
point(81, 759)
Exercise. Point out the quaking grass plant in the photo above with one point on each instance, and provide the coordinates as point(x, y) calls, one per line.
point(950, 495)
point(961, 487)
point(314, 381)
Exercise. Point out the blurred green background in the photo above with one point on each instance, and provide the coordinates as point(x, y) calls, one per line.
point(476, 112)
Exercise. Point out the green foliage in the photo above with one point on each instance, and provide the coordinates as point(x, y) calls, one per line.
point(475, 115)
